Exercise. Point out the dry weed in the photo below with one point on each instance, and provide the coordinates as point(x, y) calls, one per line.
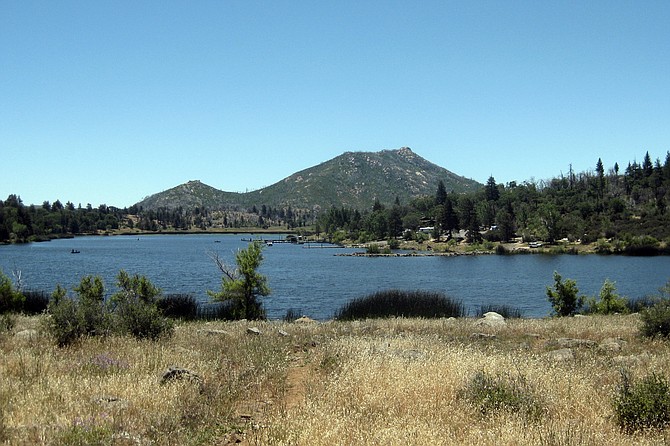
point(382, 382)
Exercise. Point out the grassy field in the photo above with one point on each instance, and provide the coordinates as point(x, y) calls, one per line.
point(381, 382)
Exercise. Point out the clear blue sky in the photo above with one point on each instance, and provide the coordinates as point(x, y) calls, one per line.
point(110, 101)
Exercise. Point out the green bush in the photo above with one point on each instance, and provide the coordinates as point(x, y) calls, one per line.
point(136, 308)
point(373, 248)
point(511, 393)
point(132, 310)
point(142, 320)
point(643, 245)
point(656, 319)
point(608, 302)
point(87, 315)
point(564, 297)
point(64, 323)
point(397, 303)
point(501, 250)
point(11, 301)
point(642, 405)
point(93, 311)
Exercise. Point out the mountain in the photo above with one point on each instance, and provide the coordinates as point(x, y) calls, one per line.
point(191, 195)
point(353, 179)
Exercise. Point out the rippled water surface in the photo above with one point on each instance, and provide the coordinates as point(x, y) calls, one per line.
point(316, 282)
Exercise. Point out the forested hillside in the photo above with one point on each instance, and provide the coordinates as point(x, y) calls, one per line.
point(623, 209)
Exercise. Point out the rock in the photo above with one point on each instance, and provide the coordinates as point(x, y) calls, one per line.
point(304, 320)
point(483, 336)
point(213, 332)
point(561, 355)
point(491, 319)
point(283, 334)
point(253, 331)
point(632, 360)
point(111, 402)
point(124, 438)
point(612, 345)
point(26, 334)
point(571, 343)
point(174, 373)
point(494, 315)
point(235, 439)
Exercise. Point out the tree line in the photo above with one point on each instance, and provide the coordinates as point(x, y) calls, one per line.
point(627, 205)
point(20, 223)
point(609, 205)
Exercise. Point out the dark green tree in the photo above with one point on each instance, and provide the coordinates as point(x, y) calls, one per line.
point(564, 297)
point(441, 194)
point(491, 191)
point(449, 218)
point(469, 219)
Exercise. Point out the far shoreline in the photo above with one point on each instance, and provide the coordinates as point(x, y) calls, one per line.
point(406, 249)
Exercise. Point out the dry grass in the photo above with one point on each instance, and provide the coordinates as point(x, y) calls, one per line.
point(382, 382)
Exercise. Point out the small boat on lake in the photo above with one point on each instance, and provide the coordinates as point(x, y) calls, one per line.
point(75, 251)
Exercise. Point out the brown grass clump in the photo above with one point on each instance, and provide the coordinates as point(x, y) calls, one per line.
point(381, 382)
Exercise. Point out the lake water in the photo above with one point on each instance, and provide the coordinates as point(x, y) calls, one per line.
point(316, 282)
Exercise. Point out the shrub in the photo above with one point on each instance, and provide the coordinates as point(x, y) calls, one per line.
point(142, 320)
point(179, 306)
point(603, 246)
point(564, 297)
point(608, 300)
point(93, 312)
point(70, 318)
point(133, 310)
point(501, 250)
point(136, 308)
point(656, 319)
point(643, 245)
point(64, 323)
point(421, 237)
point(397, 303)
point(638, 304)
point(35, 302)
point(373, 248)
point(394, 243)
point(642, 405)
point(10, 299)
point(511, 393)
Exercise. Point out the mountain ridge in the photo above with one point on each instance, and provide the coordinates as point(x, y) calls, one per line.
point(352, 179)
